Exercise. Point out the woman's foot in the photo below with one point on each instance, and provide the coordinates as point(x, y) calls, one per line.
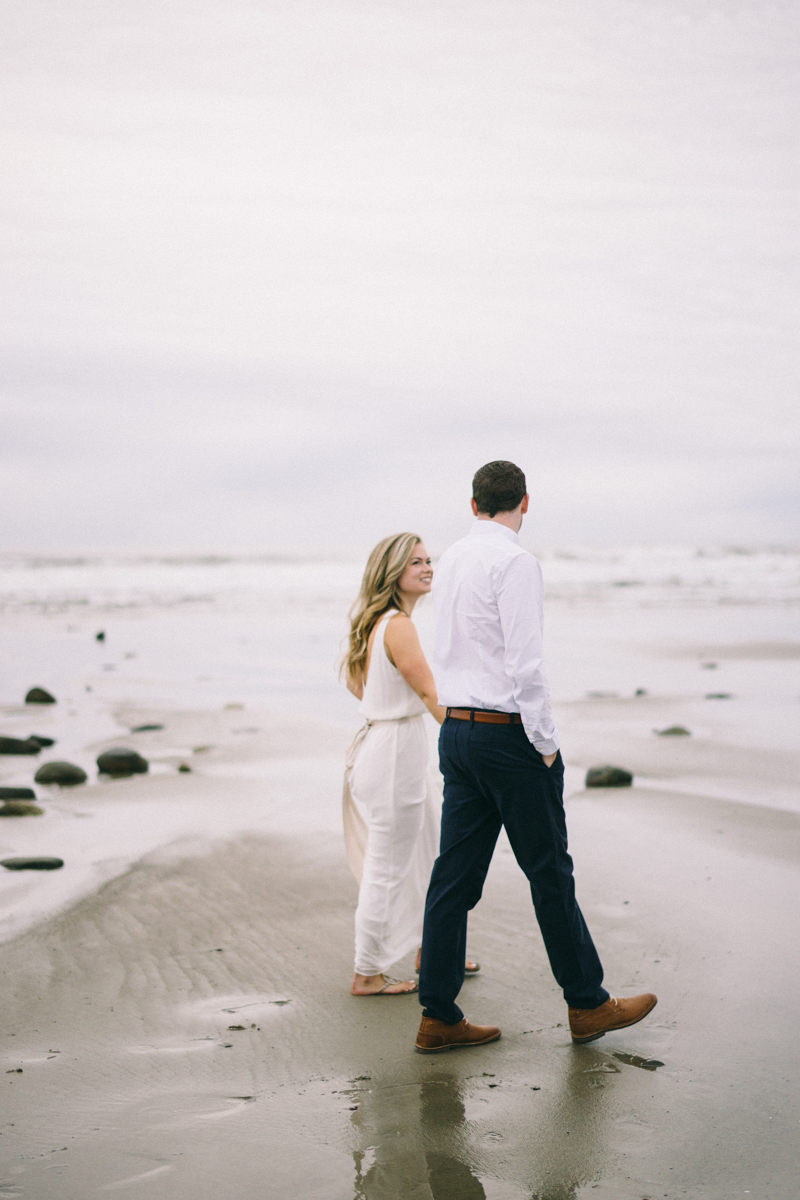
point(470, 968)
point(381, 985)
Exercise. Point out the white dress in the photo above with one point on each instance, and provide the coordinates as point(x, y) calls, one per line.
point(392, 812)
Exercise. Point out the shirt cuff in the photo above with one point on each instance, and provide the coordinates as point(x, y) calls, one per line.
point(546, 746)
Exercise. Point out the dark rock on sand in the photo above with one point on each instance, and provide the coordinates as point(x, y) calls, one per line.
point(146, 728)
point(42, 741)
point(20, 808)
point(636, 1060)
point(185, 769)
point(640, 692)
point(673, 731)
point(597, 777)
point(121, 761)
point(63, 773)
point(39, 695)
point(9, 745)
point(719, 696)
point(33, 863)
point(9, 793)
point(100, 636)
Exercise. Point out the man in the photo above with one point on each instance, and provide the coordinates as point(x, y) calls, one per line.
point(499, 755)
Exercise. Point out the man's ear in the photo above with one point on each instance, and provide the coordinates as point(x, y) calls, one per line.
point(474, 508)
point(525, 500)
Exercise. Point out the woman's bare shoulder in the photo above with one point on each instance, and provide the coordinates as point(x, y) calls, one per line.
point(399, 622)
point(400, 630)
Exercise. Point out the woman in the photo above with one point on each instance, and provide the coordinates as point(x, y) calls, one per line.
point(392, 846)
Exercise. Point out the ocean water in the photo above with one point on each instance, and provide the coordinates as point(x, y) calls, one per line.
point(198, 631)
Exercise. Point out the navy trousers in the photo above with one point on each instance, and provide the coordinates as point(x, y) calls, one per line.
point(494, 777)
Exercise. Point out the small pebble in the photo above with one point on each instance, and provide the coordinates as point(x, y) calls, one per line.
point(184, 769)
point(673, 731)
point(39, 695)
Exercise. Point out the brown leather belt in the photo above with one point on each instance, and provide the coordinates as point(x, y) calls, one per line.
point(478, 714)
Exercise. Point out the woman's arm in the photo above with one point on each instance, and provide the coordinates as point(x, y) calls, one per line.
point(356, 686)
point(404, 652)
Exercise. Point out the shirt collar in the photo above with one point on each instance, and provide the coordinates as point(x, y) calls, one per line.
point(493, 529)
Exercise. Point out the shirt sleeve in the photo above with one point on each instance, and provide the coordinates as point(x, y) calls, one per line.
point(520, 606)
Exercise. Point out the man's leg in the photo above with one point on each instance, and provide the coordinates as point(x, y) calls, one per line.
point(470, 827)
point(529, 796)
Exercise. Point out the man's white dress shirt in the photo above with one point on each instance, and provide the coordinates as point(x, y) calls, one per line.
point(488, 610)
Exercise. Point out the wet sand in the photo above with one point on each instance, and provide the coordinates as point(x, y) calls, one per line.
point(118, 1011)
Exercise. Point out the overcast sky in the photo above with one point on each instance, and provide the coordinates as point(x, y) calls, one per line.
point(284, 273)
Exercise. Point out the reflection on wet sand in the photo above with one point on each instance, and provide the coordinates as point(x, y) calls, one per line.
point(417, 1143)
point(566, 1149)
point(446, 1137)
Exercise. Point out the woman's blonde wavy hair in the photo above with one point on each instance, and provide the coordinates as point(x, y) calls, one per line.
point(379, 592)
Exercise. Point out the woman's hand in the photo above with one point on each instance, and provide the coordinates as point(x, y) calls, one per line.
point(404, 652)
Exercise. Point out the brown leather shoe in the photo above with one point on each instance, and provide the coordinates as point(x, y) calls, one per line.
point(434, 1036)
point(588, 1024)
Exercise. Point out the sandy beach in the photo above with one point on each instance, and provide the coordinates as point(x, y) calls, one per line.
point(176, 1014)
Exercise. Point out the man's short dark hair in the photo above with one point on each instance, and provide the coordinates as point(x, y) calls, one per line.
point(498, 487)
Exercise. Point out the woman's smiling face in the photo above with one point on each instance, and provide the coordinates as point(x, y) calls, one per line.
point(416, 579)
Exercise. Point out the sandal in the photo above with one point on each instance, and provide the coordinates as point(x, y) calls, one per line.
point(389, 983)
point(470, 969)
